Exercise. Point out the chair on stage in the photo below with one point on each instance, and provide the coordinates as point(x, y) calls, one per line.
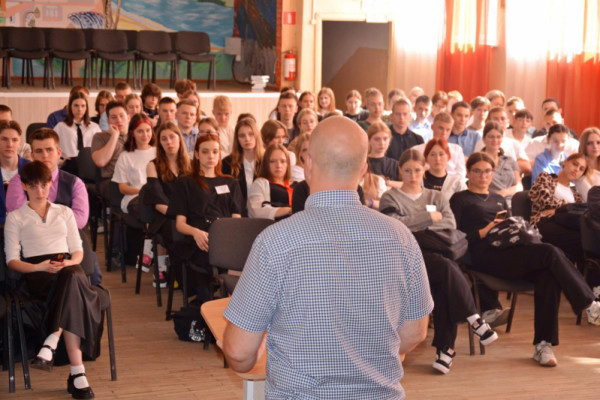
point(194, 47)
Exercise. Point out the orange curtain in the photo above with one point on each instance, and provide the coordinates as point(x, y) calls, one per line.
point(574, 77)
point(464, 58)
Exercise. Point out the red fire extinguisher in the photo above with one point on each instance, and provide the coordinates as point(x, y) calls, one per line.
point(289, 67)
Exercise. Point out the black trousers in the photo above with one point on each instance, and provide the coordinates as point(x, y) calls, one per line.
point(549, 269)
point(451, 295)
point(568, 240)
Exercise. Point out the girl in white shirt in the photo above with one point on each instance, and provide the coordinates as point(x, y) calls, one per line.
point(77, 117)
point(46, 234)
point(589, 145)
point(130, 169)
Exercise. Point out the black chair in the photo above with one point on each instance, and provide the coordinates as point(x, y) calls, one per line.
point(146, 215)
point(28, 44)
point(590, 243)
point(521, 204)
point(33, 127)
point(231, 240)
point(118, 217)
point(194, 47)
point(153, 47)
point(70, 45)
point(4, 57)
point(111, 46)
point(87, 172)
point(11, 311)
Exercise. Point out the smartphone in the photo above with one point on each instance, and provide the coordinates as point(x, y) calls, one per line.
point(58, 258)
point(501, 215)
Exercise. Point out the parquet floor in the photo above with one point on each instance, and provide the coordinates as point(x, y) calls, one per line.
point(153, 364)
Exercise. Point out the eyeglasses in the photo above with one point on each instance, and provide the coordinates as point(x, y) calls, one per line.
point(481, 172)
point(36, 186)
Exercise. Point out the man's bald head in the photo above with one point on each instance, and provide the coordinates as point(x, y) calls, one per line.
point(338, 152)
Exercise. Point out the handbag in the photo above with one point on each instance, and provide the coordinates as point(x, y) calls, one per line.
point(450, 243)
point(511, 232)
point(569, 215)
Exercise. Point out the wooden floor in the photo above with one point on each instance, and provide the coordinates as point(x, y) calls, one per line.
point(153, 364)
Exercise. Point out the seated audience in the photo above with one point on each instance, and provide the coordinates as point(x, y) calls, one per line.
point(42, 242)
point(171, 162)
point(306, 120)
point(10, 161)
point(270, 195)
point(222, 109)
point(460, 135)
point(374, 103)
point(496, 98)
point(24, 149)
point(287, 106)
point(353, 107)
point(122, 90)
point(549, 193)
point(133, 104)
point(75, 132)
point(246, 156)
point(542, 142)
point(197, 201)
point(476, 211)
point(480, 107)
point(421, 209)
point(421, 125)
point(182, 86)
point(454, 96)
point(301, 147)
point(552, 115)
point(167, 111)
point(150, 95)
point(326, 102)
point(589, 145)
point(59, 115)
point(186, 121)
point(274, 132)
point(513, 105)
point(437, 154)
point(439, 102)
point(306, 100)
point(130, 169)
point(103, 98)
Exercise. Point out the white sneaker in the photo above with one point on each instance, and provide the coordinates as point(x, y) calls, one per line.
point(593, 313)
point(496, 317)
point(543, 354)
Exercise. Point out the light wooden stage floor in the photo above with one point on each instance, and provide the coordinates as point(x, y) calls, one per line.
point(153, 364)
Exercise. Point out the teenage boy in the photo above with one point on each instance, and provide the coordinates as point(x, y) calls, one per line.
point(421, 125)
point(465, 138)
point(353, 109)
point(513, 105)
point(151, 94)
point(108, 145)
point(222, 110)
point(24, 148)
point(122, 90)
point(10, 161)
point(183, 86)
point(442, 128)
point(402, 137)
point(186, 121)
point(439, 102)
point(167, 110)
point(374, 100)
point(550, 118)
point(287, 107)
point(540, 143)
point(480, 107)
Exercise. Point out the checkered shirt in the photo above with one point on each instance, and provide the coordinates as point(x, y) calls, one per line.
point(332, 284)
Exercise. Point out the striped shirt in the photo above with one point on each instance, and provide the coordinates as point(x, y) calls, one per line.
point(332, 284)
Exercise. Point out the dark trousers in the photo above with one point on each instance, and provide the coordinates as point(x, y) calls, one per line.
point(451, 295)
point(549, 269)
point(568, 240)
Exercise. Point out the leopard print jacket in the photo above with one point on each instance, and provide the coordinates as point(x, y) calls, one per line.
point(542, 196)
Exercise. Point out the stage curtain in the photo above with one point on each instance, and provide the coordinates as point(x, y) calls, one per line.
point(573, 65)
point(465, 57)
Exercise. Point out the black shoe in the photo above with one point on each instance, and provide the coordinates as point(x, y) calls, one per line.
point(40, 363)
point(85, 393)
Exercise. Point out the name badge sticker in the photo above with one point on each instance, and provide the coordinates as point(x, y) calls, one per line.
point(223, 189)
point(430, 208)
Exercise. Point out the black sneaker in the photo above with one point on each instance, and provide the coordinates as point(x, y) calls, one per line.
point(443, 359)
point(483, 331)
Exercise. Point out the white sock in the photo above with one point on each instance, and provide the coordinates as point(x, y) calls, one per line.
point(52, 342)
point(162, 263)
point(81, 381)
point(473, 318)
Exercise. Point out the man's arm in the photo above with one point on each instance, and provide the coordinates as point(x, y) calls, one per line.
point(103, 155)
point(15, 195)
point(80, 204)
point(242, 348)
point(412, 333)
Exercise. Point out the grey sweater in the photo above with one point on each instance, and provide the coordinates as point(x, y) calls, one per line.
point(413, 213)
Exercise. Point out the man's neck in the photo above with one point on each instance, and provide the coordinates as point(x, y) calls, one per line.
point(289, 124)
point(9, 163)
point(187, 131)
point(518, 135)
point(458, 132)
point(372, 120)
point(400, 130)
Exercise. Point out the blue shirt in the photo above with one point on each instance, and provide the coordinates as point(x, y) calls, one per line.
point(332, 284)
point(422, 129)
point(56, 117)
point(190, 140)
point(545, 163)
point(466, 140)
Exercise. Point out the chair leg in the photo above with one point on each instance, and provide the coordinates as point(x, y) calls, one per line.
point(111, 343)
point(138, 277)
point(114, 66)
point(185, 285)
point(98, 73)
point(189, 70)
point(23, 343)
point(11, 349)
point(156, 274)
point(105, 213)
point(94, 232)
point(108, 250)
point(171, 280)
point(210, 66)
point(513, 305)
point(123, 237)
point(214, 74)
point(471, 340)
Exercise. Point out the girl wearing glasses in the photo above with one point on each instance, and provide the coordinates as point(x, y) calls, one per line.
point(506, 180)
point(476, 210)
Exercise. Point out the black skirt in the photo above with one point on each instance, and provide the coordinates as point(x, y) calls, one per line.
point(66, 300)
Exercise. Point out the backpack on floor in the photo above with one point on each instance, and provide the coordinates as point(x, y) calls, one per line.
point(189, 324)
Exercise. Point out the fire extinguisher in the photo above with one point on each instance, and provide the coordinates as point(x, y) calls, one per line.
point(289, 67)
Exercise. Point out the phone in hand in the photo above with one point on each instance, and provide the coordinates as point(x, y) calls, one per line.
point(58, 258)
point(501, 215)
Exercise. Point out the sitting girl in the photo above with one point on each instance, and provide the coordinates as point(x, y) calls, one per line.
point(46, 234)
point(199, 199)
point(421, 209)
point(270, 196)
point(437, 154)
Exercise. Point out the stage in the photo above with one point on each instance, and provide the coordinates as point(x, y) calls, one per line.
point(34, 104)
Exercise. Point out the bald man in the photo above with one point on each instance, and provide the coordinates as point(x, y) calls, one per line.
point(340, 289)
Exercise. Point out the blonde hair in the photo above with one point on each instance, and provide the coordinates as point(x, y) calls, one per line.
point(328, 92)
point(583, 139)
point(222, 103)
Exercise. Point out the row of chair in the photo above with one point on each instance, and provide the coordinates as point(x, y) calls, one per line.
point(106, 46)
